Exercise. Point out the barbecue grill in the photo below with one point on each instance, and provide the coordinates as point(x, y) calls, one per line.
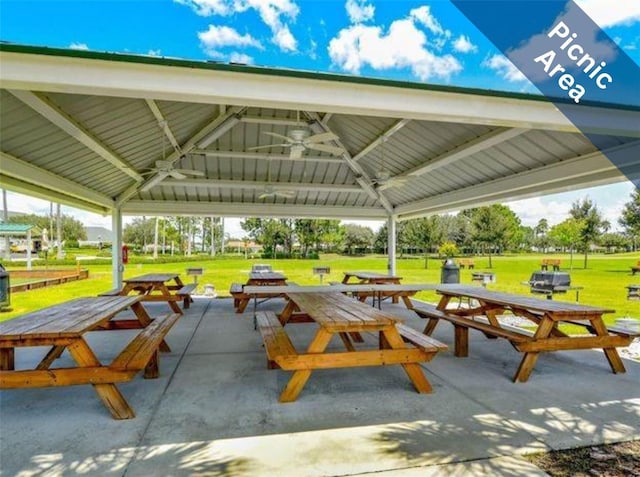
point(550, 283)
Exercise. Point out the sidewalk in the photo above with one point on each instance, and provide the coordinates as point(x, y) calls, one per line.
point(214, 411)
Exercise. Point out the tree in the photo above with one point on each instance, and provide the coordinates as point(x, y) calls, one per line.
point(613, 241)
point(72, 229)
point(315, 233)
point(138, 231)
point(270, 233)
point(357, 237)
point(541, 240)
point(568, 234)
point(630, 219)
point(495, 226)
point(594, 224)
point(425, 233)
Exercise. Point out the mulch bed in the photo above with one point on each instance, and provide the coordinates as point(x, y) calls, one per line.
point(610, 460)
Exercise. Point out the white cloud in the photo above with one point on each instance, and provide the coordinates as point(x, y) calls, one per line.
point(222, 36)
point(157, 52)
point(236, 57)
point(423, 15)
point(608, 13)
point(271, 12)
point(404, 46)
point(78, 46)
point(463, 45)
point(501, 65)
point(359, 11)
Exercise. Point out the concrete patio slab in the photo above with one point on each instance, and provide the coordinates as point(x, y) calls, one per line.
point(215, 411)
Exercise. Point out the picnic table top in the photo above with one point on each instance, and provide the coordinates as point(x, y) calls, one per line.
point(335, 311)
point(266, 276)
point(152, 277)
point(523, 302)
point(359, 287)
point(65, 320)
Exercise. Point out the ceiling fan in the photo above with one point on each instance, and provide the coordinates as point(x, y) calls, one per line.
point(301, 139)
point(271, 191)
point(166, 169)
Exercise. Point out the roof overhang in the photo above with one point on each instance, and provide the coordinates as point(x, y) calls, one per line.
point(106, 115)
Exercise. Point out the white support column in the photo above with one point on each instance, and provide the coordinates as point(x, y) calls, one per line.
point(29, 245)
point(116, 247)
point(391, 245)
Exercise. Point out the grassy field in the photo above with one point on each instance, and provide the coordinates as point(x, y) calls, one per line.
point(603, 281)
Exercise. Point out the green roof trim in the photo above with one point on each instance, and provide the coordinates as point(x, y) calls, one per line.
point(284, 72)
point(15, 228)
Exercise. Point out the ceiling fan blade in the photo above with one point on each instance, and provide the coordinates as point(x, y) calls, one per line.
point(153, 181)
point(164, 164)
point(322, 137)
point(176, 174)
point(265, 195)
point(285, 194)
point(189, 172)
point(279, 136)
point(336, 151)
point(255, 148)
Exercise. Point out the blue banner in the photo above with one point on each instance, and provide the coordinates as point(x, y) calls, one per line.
point(575, 64)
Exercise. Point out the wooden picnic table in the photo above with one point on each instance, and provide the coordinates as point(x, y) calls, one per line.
point(64, 327)
point(158, 287)
point(374, 278)
point(337, 314)
point(544, 314)
point(266, 279)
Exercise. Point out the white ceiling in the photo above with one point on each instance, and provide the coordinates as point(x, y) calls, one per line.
point(86, 128)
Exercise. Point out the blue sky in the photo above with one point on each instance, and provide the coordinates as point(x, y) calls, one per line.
point(427, 41)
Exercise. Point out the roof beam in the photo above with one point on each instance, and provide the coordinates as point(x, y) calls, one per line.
point(263, 209)
point(164, 125)
point(188, 81)
point(39, 177)
point(186, 148)
point(265, 156)
point(381, 138)
point(275, 121)
point(579, 172)
point(59, 118)
point(361, 176)
point(467, 149)
point(226, 184)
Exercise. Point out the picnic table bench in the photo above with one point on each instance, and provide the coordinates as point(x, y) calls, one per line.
point(64, 326)
point(466, 262)
point(553, 262)
point(337, 314)
point(544, 314)
point(157, 287)
point(635, 268)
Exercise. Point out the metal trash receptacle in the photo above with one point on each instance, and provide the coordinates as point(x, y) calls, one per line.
point(450, 272)
point(5, 288)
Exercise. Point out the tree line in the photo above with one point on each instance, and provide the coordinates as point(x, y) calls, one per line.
point(486, 230)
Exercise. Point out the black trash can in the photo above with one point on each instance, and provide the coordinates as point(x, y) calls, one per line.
point(5, 291)
point(450, 272)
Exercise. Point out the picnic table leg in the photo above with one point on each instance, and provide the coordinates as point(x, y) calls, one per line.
point(347, 342)
point(611, 353)
point(54, 353)
point(530, 358)
point(109, 393)
point(413, 370)
point(7, 359)
point(300, 377)
point(172, 304)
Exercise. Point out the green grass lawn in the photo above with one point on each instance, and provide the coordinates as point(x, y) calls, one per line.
point(604, 280)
